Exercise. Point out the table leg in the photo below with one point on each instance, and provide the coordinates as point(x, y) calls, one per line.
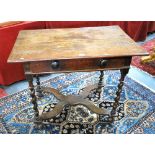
point(100, 83)
point(38, 89)
point(124, 72)
point(33, 96)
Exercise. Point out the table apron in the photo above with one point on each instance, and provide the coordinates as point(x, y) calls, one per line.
point(76, 65)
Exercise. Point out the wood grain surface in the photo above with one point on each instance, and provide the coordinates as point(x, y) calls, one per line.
point(73, 43)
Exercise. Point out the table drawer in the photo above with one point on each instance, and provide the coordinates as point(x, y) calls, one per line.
point(76, 65)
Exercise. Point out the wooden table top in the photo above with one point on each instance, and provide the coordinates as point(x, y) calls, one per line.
point(73, 43)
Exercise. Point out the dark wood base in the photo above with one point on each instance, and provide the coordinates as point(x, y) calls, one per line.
point(72, 100)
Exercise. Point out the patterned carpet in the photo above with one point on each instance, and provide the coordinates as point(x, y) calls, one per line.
point(136, 113)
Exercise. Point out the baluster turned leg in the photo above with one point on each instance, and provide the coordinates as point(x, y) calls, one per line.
point(124, 72)
point(33, 96)
point(38, 89)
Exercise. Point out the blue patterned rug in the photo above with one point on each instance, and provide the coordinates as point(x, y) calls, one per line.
point(136, 113)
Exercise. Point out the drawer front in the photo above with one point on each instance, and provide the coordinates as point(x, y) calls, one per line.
point(76, 65)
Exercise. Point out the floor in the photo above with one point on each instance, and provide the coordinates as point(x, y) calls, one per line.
point(139, 76)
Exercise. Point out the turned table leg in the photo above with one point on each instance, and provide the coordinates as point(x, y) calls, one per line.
point(33, 96)
point(100, 83)
point(124, 72)
point(38, 89)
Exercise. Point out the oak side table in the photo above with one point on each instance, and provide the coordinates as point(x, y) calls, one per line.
point(73, 49)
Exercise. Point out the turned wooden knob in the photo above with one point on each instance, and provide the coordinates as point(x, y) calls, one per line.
point(103, 63)
point(55, 64)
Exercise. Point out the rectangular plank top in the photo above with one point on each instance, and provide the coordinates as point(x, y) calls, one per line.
point(73, 43)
